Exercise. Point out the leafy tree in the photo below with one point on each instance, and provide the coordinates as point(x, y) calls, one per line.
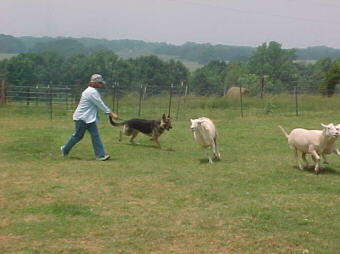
point(21, 70)
point(311, 75)
point(124, 74)
point(233, 73)
point(150, 70)
point(275, 62)
point(176, 72)
point(3, 69)
point(332, 78)
point(210, 78)
point(76, 68)
point(52, 65)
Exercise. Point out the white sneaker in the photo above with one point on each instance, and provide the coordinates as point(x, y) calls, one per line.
point(103, 158)
point(62, 152)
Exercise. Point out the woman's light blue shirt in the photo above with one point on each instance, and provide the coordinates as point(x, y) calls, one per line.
point(87, 107)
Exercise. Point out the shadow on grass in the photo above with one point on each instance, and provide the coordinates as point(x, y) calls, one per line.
point(324, 171)
point(206, 161)
point(75, 158)
point(78, 158)
point(138, 145)
point(329, 171)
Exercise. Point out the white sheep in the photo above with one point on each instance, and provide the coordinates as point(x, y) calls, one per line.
point(205, 134)
point(312, 142)
point(331, 145)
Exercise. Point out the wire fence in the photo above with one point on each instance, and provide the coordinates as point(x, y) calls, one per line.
point(178, 100)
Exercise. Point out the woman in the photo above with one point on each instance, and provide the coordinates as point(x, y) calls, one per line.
point(86, 116)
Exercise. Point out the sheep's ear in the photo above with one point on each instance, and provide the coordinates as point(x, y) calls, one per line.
point(323, 125)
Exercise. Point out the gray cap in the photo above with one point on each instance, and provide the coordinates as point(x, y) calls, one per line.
point(97, 78)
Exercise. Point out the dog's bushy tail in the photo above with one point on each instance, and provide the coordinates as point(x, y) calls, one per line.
point(283, 131)
point(115, 124)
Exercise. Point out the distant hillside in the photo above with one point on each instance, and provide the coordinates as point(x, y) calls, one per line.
point(190, 52)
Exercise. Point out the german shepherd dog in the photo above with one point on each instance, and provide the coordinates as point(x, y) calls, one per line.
point(152, 128)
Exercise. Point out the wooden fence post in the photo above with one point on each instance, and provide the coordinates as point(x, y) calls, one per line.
point(77, 91)
point(3, 92)
point(262, 87)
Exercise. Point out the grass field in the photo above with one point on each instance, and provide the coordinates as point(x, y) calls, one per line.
point(170, 200)
point(6, 56)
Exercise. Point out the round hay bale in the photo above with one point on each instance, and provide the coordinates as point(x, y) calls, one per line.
point(234, 92)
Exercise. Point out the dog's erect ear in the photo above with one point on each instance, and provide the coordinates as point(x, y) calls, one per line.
point(163, 117)
point(168, 116)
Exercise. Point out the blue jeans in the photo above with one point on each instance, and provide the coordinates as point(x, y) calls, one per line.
point(80, 128)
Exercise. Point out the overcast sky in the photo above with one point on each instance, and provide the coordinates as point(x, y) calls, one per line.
point(293, 23)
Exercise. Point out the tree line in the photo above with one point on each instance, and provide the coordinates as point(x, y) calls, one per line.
point(200, 53)
point(269, 63)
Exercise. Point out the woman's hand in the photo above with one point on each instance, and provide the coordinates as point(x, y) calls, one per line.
point(113, 115)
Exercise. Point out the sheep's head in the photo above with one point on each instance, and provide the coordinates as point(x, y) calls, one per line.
point(330, 130)
point(195, 124)
point(337, 127)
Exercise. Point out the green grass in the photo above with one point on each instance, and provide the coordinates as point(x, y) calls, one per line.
point(147, 200)
point(6, 56)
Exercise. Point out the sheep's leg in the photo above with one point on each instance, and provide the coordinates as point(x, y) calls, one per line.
point(304, 159)
point(215, 149)
point(336, 151)
point(325, 158)
point(317, 161)
point(207, 152)
point(297, 159)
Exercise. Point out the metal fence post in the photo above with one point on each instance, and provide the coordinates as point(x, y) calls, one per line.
point(113, 95)
point(140, 99)
point(170, 99)
point(36, 95)
point(179, 100)
point(225, 91)
point(296, 98)
point(144, 91)
point(50, 98)
point(28, 98)
point(241, 101)
point(117, 97)
point(66, 97)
